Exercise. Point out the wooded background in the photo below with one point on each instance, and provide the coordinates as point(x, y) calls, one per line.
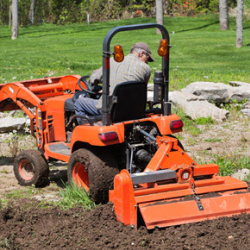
point(75, 11)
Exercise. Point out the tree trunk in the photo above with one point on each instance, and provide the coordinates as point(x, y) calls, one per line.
point(14, 19)
point(239, 24)
point(223, 15)
point(32, 12)
point(10, 12)
point(159, 13)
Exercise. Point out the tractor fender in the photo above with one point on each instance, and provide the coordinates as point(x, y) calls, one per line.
point(90, 134)
point(164, 124)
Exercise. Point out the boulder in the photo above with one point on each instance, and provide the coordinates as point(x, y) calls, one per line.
point(239, 91)
point(245, 109)
point(212, 92)
point(150, 87)
point(8, 124)
point(219, 92)
point(196, 106)
point(150, 96)
point(2, 114)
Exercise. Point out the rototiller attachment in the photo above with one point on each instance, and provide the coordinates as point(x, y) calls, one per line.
point(174, 190)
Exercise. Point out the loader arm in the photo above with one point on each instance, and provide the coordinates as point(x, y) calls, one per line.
point(34, 93)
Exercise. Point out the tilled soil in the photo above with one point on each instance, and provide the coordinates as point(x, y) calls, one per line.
point(53, 228)
point(25, 225)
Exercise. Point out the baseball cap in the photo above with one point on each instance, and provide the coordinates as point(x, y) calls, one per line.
point(144, 46)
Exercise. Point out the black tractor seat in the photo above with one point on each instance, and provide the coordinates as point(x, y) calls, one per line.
point(128, 102)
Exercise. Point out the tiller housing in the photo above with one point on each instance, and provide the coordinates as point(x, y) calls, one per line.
point(174, 190)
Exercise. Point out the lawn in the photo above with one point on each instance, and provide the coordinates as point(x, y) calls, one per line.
point(200, 51)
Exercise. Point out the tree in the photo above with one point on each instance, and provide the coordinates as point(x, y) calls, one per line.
point(223, 15)
point(10, 12)
point(239, 23)
point(32, 12)
point(14, 19)
point(159, 13)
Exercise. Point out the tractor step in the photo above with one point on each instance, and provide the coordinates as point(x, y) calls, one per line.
point(60, 148)
point(60, 151)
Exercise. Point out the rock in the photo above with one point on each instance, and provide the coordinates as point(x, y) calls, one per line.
point(8, 124)
point(150, 87)
point(2, 115)
point(212, 92)
point(245, 112)
point(240, 92)
point(245, 109)
point(241, 174)
point(239, 84)
point(219, 92)
point(196, 107)
point(150, 96)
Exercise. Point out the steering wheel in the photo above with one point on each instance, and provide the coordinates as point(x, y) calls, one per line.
point(89, 89)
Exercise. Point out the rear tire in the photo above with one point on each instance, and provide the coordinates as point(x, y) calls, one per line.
point(93, 170)
point(31, 168)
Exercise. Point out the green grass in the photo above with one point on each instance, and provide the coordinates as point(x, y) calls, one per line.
point(213, 140)
point(73, 196)
point(200, 51)
point(3, 203)
point(229, 164)
point(5, 244)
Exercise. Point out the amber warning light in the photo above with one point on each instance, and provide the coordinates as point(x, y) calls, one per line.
point(109, 136)
point(118, 53)
point(163, 48)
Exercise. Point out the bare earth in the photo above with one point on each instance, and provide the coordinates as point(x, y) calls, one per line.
point(26, 226)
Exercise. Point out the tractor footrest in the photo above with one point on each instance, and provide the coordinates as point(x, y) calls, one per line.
point(155, 176)
point(60, 148)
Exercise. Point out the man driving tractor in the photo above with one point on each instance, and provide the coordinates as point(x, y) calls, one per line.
point(134, 67)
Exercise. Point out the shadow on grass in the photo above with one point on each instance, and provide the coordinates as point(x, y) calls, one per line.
point(60, 29)
point(198, 28)
point(59, 177)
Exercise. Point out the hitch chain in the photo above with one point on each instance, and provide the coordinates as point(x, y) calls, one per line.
point(197, 198)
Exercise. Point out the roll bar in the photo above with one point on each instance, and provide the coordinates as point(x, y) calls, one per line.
point(106, 101)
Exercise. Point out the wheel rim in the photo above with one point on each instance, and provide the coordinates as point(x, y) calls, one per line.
point(80, 176)
point(26, 170)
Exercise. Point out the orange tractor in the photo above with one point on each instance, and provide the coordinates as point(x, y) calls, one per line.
point(127, 149)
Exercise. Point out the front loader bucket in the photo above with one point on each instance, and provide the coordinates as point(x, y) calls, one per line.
point(175, 203)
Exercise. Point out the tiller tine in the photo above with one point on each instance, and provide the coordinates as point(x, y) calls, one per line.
point(167, 197)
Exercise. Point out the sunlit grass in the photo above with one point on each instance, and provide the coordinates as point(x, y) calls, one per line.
point(229, 164)
point(200, 51)
point(73, 196)
point(3, 203)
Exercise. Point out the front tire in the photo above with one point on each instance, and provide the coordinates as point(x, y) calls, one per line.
point(31, 168)
point(94, 170)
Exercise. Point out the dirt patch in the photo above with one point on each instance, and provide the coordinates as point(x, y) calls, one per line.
point(228, 138)
point(53, 228)
point(25, 225)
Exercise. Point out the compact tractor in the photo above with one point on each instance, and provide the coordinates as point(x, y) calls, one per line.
point(127, 155)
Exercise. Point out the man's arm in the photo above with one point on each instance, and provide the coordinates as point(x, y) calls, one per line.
point(96, 77)
point(147, 73)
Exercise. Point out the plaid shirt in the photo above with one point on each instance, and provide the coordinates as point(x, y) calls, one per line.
point(130, 69)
